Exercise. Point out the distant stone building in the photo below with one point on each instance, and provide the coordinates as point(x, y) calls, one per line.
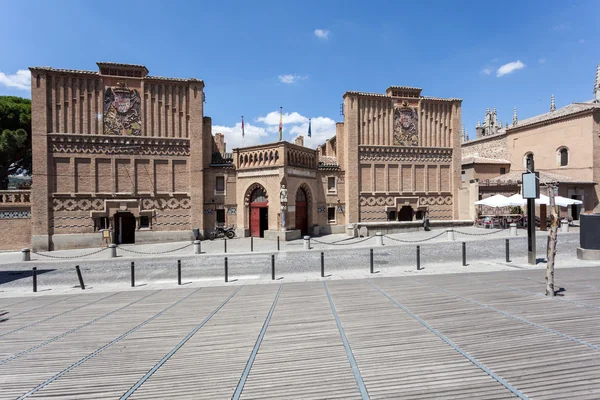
point(564, 142)
point(120, 151)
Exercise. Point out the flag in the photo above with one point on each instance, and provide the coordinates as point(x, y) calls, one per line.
point(242, 126)
point(280, 124)
point(309, 128)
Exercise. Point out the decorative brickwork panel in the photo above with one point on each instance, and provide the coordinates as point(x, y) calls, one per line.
point(83, 175)
point(89, 144)
point(406, 178)
point(393, 178)
point(162, 176)
point(404, 154)
point(365, 178)
point(64, 174)
point(380, 178)
point(143, 176)
point(20, 233)
point(180, 176)
point(420, 178)
point(406, 122)
point(432, 178)
point(104, 176)
point(124, 176)
point(15, 214)
point(446, 178)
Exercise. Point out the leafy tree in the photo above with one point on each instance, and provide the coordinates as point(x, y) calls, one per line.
point(15, 138)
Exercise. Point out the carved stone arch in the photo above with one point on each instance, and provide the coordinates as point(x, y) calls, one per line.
point(276, 155)
point(271, 159)
point(251, 189)
point(260, 158)
point(304, 186)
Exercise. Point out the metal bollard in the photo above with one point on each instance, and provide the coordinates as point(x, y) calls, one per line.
point(25, 255)
point(272, 267)
point(132, 274)
point(507, 250)
point(564, 226)
point(322, 265)
point(450, 234)
point(378, 239)
point(251, 243)
point(226, 271)
point(464, 253)
point(277, 243)
point(371, 260)
point(197, 247)
point(112, 250)
point(34, 275)
point(80, 277)
point(179, 272)
point(512, 231)
point(306, 242)
point(418, 258)
point(225, 245)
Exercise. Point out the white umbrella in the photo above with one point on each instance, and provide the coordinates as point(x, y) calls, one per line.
point(518, 200)
point(495, 201)
point(565, 202)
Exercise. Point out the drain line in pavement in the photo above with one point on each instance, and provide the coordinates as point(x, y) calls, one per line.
point(355, 370)
point(469, 357)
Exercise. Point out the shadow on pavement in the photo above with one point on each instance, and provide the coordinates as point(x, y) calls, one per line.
point(9, 276)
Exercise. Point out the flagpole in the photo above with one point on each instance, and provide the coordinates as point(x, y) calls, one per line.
point(280, 123)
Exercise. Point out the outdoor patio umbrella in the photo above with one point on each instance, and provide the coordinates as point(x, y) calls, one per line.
point(518, 200)
point(495, 201)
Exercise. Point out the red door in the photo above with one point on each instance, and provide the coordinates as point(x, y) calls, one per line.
point(301, 217)
point(255, 221)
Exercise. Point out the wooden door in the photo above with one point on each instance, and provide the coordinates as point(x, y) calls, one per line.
point(301, 217)
point(255, 221)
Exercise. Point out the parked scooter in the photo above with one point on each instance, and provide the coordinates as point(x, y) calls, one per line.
point(220, 232)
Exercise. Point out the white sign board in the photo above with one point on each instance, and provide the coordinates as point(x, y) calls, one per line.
point(531, 185)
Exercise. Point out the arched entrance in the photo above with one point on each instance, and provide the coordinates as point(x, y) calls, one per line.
point(259, 212)
point(124, 228)
point(302, 211)
point(405, 213)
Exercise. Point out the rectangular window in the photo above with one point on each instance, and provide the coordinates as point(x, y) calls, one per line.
point(220, 184)
point(221, 217)
point(502, 171)
point(463, 176)
point(331, 184)
point(102, 223)
point(144, 222)
point(331, 214)
point(392, 215)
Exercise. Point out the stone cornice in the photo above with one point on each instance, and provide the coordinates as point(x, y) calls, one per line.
point(113, 145)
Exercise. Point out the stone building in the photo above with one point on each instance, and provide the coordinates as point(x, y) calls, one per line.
point(122, 152)
point(565, 145)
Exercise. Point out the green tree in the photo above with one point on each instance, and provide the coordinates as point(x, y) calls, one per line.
point(15, 138)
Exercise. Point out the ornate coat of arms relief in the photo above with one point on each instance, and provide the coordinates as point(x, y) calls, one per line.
point(405, 126)
point(122, 111)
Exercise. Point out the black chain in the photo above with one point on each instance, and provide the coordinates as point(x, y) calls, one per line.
point(480, 234)
point(158, 252)
point(416, 241)
point(343, 244)
point(69, 257)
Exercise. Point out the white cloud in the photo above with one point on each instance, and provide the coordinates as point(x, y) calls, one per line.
point(20, 80)
point(486, 71)
point(509, 68)
point(272, 118)
point(322, 33)
point(294, 124)
point(233, 135)
point(542, 60)
point(291, 78)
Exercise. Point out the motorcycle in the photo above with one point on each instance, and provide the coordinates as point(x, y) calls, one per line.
point(220, 232)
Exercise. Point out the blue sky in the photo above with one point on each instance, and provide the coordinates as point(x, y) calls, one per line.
point(257, 56)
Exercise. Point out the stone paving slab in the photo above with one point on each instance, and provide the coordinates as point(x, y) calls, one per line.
point(487, 335)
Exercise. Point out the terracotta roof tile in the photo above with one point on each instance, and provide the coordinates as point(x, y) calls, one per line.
point(545, 177)
point(482, 160)
point(573, 108)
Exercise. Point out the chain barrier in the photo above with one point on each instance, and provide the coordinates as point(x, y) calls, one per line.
point(69, 257)
point(416, 241)
point(342, 244)
point(480, 234)
point(154, 253)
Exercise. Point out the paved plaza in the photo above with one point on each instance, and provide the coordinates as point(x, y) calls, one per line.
point(480, 335)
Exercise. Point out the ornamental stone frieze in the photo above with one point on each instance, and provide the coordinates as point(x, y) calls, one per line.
point(98, 204)
point(391, 200)
point(405, 154)
point(110, 145)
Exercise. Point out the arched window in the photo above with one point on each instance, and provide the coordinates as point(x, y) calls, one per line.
point(563, 156)
point(300, 195)
point(258, 195)
point(526, 157)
